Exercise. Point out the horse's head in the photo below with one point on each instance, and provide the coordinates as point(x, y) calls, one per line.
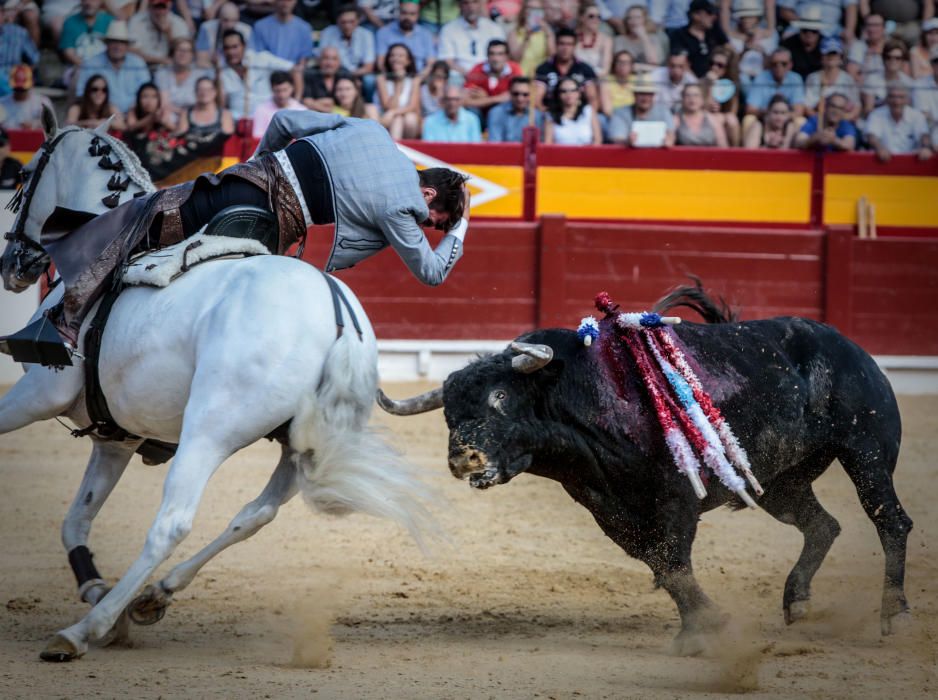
point(76, 171)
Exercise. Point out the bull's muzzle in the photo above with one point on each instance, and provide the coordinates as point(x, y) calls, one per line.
point(466, 460)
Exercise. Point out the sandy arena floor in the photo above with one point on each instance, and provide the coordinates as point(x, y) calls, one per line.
point(531, 600)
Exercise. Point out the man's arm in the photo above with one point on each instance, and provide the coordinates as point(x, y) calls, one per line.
point(289, 124)
point(430, 266)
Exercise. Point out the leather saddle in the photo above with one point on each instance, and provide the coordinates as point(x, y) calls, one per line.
point(246, 221)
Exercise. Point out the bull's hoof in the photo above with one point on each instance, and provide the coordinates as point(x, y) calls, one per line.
point(690, 643)
point(149, 607)
point(60, 649)
point(896, 624)
point(797, 610)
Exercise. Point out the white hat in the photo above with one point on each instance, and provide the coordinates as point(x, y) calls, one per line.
point(930, 24)
point(748, 8)
point(644, 83)
point(811, 17)
point(117, 31)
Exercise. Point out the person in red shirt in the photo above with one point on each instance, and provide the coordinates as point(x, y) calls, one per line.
point(487, 83)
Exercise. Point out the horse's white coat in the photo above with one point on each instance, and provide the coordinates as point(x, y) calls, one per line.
point(213, 362)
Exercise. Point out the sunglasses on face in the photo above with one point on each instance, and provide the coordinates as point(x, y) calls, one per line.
point(718, 64)
point(592, 15)
point(781, 63)
point(97, 89)
point(894, 57)
point(521, 94)
point(566, 91)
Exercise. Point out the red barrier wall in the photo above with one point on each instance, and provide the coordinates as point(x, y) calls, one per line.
point(518, 276)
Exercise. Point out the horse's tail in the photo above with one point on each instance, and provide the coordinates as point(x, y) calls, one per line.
point(343, 464)
point(712, 310)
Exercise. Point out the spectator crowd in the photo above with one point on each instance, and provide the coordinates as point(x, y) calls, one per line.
point(174, 77)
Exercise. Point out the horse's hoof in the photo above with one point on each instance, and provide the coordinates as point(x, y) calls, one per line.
point(149, 607)
point(60, 649)
point(797, 610)
point(896, 624)
point(689, 644)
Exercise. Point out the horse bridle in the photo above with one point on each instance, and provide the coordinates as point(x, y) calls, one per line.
point(24, 197)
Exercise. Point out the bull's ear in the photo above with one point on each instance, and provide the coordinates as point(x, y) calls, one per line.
point(50, 125)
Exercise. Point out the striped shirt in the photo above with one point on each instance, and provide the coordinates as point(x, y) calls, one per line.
point(16, 47)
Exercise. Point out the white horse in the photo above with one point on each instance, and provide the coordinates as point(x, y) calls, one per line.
point(214, 362)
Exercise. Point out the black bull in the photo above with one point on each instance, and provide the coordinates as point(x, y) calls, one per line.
point(797, 394)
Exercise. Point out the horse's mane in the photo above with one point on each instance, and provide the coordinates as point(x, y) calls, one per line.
point(132, 165)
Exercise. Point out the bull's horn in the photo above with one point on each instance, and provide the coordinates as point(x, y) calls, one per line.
point(530, 357)
point(429, 401)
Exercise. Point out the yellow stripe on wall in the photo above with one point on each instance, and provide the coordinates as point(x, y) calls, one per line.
point(511, 177)
point(899, 201)
point(698, 195)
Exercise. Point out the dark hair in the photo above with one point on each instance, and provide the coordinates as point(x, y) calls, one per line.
point(233, 32)
point(564, 31)
point(347, 7)
point(893, 43)
point(138, 111)
point(358, 106)
point(776, 98)
point(86, 109)
point(411, 68)
point(519, 80)
point(205, 78)
point(448, 185)
point(556, 107)
point(279, 77)
point(496, 42)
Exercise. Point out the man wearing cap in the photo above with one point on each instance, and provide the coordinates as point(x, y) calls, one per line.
point(699, 37)
point(124, 72)
point(830, 17)
point(309, 168)
point(831, 79)
point(779, 79)
point(83, 33)
point(15, 45)
point(152, 31)
point(644, 109)
point(926, 93)
point(23, 107)
point(897, 128)
point(406, 30)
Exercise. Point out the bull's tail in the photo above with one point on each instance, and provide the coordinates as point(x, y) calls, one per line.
point(695, 298)
point(342, 464)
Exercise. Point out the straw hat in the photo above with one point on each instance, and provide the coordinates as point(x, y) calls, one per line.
point(644, 83)
point(117, 31)
point(811, 17)
point(748, 8)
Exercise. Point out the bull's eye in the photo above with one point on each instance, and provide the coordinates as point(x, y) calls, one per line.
point(496, 398)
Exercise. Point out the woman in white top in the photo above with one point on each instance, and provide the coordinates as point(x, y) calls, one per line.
point(398, 94)
point(592, 45)
point(176, 82)
point(571, 121)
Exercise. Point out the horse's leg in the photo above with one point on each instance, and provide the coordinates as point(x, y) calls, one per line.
point(40, 394)
point(150, 605)
point(200, 454)
point(107, 464)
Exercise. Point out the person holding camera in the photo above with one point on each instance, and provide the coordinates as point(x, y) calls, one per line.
point(531, 42)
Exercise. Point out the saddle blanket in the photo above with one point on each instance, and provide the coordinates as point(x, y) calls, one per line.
point(160, 267)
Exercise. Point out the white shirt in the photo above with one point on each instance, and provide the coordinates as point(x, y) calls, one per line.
point(845, 85)
point(575, 133)
point(904, 136)
point(925, 98)
point(244, 96)
point(468, 45)
point(669, 95)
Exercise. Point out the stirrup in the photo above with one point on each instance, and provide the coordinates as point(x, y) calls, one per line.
point(39, 343)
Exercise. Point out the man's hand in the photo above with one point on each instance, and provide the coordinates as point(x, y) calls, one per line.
point(883, 154)
point(925, 153)
point(465, 201)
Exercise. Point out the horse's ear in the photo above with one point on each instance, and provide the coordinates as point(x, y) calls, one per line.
point(50, 125)
point(104, 126)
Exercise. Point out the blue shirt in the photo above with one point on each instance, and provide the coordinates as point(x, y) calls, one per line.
point(844, 128)
point(764, 87)
point(292, 40)
point(420, 42)
point(466, 129)
point(354, 52)
point(16, 47)
point(122, 83)
point(506, 126)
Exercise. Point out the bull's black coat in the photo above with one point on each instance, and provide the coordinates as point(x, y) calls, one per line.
point(796, 392)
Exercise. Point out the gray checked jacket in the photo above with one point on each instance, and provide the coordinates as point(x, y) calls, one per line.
point(375, 190)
